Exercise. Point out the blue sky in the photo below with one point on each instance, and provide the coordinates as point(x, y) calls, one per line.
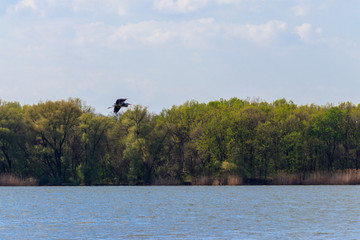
point(160, 53)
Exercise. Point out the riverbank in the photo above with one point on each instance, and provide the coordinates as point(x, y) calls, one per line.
point(346, 177)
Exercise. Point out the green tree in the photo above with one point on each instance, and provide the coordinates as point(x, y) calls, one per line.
point(12, 139)
point(94, 131)
point(327, 128)
point(53, 123)
point(137, 122)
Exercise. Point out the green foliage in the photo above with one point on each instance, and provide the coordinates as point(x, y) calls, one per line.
point(53, 123)
point(65, 142)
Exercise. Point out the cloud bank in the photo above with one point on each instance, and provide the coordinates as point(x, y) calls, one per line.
point(178, 50)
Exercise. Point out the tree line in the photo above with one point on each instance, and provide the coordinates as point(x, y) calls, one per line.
point(66, 143)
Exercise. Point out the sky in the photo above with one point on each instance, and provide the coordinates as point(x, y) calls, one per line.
point(160, 53)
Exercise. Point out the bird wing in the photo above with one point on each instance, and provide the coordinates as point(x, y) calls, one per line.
point(116, 109)
point(120, 101)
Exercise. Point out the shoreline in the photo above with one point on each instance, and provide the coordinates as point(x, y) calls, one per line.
point(346, 177)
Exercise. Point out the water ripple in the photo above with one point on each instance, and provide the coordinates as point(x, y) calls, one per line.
point(183, 212)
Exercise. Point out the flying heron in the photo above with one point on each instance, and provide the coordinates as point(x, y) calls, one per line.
point(119, 104)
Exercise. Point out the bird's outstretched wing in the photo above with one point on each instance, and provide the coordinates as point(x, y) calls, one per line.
point(120, 101)
point(116, 109)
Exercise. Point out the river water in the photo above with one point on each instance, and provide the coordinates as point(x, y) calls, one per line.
point(181, 212)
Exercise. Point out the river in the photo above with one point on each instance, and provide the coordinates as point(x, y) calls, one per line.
point(180, 212)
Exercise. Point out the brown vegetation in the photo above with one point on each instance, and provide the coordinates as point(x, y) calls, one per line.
point(346, 177)
point(234, 180)
point(166, 182)
point(230, 180)
point(202, 180)
point(12, 180)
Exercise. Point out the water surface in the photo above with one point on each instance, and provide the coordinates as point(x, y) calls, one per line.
point(183, 212)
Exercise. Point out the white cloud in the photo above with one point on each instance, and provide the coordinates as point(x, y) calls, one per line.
point(120, 7)
point(191, 33)
point(307, 33)
point(148, 32)
point(304, 31)
point(307, 7)
point(96, 7)
point(302, 9)
point(179, 5)
point(228, 1)
point(91, 33)
point(195, 33)
point(260, 34)
point(23, 5)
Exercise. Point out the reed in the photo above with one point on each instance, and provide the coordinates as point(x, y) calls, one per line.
point(346, 177)
point(217, 182)
point(12, 180)
point(230, 180)
point(166, 182)
point(286, 179)
point(203, 180)
point(235, 180)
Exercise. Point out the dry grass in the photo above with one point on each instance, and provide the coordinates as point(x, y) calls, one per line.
point(217, 182)
point(286, 179)
point(12, 180)
point(166, 182)
point(230, 180)
point(346, 177)
point(203, 180)
point(234, 180)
